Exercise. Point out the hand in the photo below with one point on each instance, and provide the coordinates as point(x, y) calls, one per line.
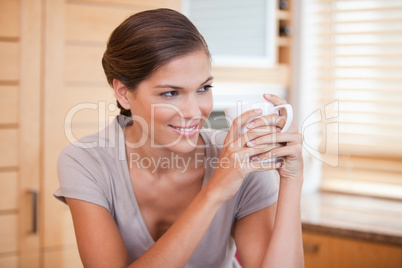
point(235, 163)
point(292, 165)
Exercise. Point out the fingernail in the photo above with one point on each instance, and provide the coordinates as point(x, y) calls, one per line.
point(278, 164)
point(258, 111)
point(254, 158)
point(250, 125)
point(250, 143)
point(267, 95)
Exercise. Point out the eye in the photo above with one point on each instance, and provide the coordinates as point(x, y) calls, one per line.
point(205, 88)
point(169, 94)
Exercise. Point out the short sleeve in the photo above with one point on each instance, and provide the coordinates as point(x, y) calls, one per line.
point(259, 190)
point(80, 177)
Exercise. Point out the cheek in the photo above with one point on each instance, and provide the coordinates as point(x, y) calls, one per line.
point(163, 114)
point(206, 106)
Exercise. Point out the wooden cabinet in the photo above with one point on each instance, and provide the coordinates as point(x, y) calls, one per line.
point(50, 63)
point(336, 252)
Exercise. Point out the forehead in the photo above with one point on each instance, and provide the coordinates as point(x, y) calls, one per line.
point(190, 68)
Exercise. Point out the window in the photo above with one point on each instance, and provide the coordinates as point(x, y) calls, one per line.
point(354, 51)
point(238, 33)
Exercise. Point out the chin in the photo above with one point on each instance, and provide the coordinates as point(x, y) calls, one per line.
point(180, 145)
point(185, 145)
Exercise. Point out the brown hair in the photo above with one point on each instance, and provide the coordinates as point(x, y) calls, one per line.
point(144, 42)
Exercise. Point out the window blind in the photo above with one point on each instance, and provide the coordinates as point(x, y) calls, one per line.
point(357, 57)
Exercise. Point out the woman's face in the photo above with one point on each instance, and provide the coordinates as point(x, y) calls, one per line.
point(174, 103)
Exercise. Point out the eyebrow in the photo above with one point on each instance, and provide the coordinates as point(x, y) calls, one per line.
point(180, 88)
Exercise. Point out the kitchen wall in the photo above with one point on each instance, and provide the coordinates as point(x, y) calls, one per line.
point(50, 71)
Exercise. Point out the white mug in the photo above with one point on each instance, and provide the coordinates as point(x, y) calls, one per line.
point(267, 108)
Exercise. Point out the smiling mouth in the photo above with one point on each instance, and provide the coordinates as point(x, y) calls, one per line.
point(185, 129)
point(189, 129)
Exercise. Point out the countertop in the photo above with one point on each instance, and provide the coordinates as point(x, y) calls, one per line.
point(364, 218)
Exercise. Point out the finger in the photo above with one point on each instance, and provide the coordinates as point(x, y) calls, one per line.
point(242, 141)
point(268, 120)
point(276, 101)
point(262, 166)
point(283, 137)
point(235, 129)
point(265, 148)
point(246, 154)
point(294, 150)
point(257, 132)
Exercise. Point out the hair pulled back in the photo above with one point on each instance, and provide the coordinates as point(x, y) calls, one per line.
point(144, 42)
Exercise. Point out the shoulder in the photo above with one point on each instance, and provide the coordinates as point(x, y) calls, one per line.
point(81, 151)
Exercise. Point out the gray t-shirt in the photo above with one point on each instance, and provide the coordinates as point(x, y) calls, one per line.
point(95, 170)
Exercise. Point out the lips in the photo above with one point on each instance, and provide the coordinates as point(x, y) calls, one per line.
point(186, 130)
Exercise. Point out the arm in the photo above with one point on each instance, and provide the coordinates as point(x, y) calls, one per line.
point(272, 237)
point(98, 238)
point(252, 234)
point(285, 247)
point(101, 245)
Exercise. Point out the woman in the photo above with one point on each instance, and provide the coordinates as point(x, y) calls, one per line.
point(172, 195)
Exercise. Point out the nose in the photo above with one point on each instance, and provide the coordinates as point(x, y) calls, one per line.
point(191, 108)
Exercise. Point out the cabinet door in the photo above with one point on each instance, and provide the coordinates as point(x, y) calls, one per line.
point(19, 132)
point(58, 240)
point(330, 251)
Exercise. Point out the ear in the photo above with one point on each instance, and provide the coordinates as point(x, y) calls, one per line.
point(122, 94)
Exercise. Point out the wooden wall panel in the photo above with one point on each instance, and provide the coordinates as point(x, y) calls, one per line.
point(9, 261)
point(80, 130)
point(9, 193)
point(8, 233)
point(53, 124)
point(99, 21)
point(9, 184)
point(9, 144)
point(8, 104)
point(88, 110)
point(9, 64)
point(84, 64)
point(68, 228)
point(63, 258)
point(82, 94)
point(81, 102)
point(174, 4)
point(9, 19)
point(64, 234)
point(29, 123)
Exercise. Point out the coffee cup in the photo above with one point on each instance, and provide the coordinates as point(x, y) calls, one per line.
point(267, 108)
